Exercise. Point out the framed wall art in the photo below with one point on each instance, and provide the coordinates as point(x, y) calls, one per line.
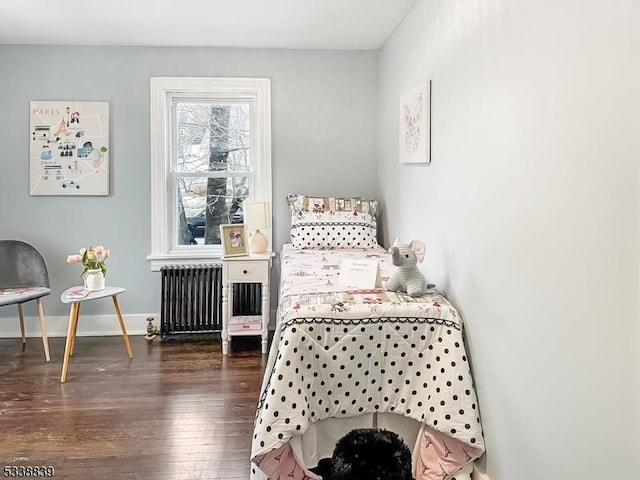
point(234, 239)
point(69, 148)
point(415, 125)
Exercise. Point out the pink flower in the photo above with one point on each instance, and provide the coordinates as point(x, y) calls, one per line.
point(92, 258)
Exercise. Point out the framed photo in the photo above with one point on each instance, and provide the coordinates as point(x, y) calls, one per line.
point(415, 125)
point(234, 239)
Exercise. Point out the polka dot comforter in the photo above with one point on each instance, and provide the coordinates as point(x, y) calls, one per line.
point(339, 352)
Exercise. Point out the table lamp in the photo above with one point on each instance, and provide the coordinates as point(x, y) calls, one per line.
point(257, 216)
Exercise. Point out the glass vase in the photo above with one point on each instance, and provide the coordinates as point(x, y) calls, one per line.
point(94, 280)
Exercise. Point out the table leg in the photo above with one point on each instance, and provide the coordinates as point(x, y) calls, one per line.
point(75, 329)
point(116, 304)
point(73, 319)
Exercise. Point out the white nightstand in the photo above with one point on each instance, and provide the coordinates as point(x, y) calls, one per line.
point(254, 268)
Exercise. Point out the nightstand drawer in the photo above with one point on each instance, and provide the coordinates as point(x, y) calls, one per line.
point(247, 272)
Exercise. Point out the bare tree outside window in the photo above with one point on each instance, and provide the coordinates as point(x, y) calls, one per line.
point(213, 168)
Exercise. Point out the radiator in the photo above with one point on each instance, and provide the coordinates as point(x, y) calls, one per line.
point(192, 299)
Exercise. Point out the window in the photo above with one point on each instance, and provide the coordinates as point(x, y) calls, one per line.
point(210, 151)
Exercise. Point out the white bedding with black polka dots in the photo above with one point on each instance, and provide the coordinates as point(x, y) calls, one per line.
point(340, 353)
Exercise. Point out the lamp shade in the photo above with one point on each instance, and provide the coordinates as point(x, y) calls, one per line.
point(257, 215)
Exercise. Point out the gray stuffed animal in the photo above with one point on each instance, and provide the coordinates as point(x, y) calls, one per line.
point(407, 278)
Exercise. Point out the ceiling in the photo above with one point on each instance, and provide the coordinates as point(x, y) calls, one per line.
point(295, 24)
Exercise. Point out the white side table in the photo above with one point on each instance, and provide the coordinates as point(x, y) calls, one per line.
point(254, 268)
point(112, 292)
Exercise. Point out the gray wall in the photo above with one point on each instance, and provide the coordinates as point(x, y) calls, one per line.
point(323, 122)
point(530, 214)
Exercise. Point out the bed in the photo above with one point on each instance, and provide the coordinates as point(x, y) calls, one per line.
point(345, 358)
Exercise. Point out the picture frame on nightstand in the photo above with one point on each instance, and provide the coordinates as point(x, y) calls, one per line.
point(234, 239)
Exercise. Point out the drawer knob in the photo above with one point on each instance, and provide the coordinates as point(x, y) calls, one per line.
point(244, 271)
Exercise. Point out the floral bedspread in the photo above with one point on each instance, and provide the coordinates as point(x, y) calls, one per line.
point(340, 352)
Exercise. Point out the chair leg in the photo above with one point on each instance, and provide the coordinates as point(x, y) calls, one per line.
point(43, 330)
point(21, 316)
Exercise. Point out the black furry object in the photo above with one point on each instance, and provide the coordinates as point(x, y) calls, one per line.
point(369, 454)
point(323, 469)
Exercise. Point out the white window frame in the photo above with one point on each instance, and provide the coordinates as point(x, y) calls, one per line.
point(255, 91)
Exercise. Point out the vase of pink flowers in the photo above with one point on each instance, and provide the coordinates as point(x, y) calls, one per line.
point(94, 267)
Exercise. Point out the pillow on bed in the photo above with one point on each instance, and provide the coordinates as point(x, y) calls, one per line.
point(333, 230)
point(308, 203)
point(332, 222)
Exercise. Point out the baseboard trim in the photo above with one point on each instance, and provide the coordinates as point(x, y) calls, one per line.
point(88, 325)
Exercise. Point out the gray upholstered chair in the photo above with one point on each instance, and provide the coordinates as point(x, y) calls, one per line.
point(24, 277)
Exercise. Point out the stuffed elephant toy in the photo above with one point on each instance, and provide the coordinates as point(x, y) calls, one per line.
point(407, 278)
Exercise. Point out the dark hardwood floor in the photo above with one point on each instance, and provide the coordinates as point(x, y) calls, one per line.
point(177, 410)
